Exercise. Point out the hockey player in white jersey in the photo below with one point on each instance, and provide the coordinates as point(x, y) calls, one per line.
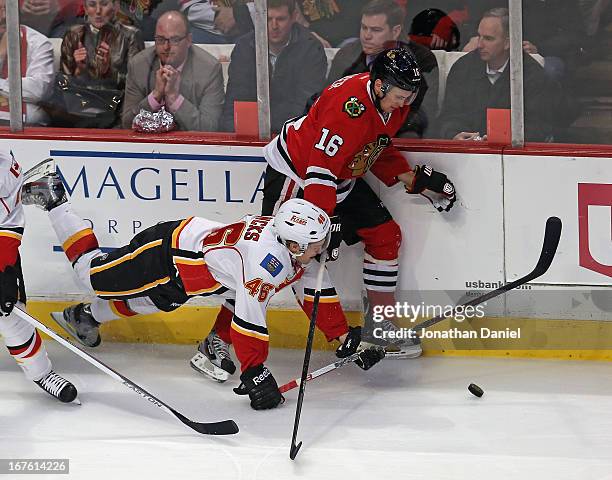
point(163, 266)
point(22, 340)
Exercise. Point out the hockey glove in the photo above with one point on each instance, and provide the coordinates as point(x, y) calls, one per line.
point(351, 343)
point(434, 186)
point(259, 384)
point(367, 358)
point(335, 237)
point(370, 357)
point(9, 288)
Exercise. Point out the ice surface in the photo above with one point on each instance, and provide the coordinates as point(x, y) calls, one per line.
point(405, 419)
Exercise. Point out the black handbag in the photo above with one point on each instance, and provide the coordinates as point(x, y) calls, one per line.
point(84, 103)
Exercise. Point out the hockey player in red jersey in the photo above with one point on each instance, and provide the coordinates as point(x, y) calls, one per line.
point(245, 262)
point(22, 340)
point(323, 156)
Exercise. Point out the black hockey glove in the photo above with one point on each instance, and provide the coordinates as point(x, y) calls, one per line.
point(351, 343)
point(434, 186)
point(370, 357)
point(259, 384)
point(367, 358)
point(335, 237)
point(9, 289)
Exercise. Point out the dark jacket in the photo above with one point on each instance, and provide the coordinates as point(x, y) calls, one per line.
point(350, 59)
point(299, 72)
point(469, 93)
point(124, 42)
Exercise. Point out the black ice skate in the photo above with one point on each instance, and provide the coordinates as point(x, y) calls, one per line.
point(386, 334)
point(46, 192)
point(213, 358)
point(78, 321)
point(58, 387)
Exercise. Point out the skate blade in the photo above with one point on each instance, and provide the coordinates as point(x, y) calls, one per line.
point(202, 364)
point(396, 353)
point(58, 317)
point(40, 170)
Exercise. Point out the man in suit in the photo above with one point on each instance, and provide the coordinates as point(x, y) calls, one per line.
point(381, 29)
point(481, 80)
point(184, 79)
point(297, 67)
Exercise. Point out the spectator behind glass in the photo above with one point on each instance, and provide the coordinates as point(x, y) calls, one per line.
point(481, 80)
point(185, 79)
point(36, 72)
point(143, 14)
point(381, 28)
point(49, 17)
point(99, 50)
point(297, 67)
point(218, 21)
point(332, 21)
point(551, 28)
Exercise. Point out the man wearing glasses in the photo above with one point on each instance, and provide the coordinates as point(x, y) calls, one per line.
point(184, 79)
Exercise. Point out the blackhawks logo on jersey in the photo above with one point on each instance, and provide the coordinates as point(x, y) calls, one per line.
point(368, 155)
point(353, 107)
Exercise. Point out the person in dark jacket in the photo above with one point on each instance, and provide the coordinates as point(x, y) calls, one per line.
point(297, 67)
point(381, 28)
point(481, 79)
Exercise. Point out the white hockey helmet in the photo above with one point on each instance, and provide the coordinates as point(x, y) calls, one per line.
point(301, 222)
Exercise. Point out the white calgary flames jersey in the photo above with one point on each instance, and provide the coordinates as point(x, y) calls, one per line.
point(12, 219)
point(245, 257)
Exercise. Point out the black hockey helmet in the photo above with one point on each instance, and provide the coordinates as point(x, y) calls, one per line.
point(397, 67)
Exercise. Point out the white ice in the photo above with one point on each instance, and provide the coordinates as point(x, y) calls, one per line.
point(404, 419)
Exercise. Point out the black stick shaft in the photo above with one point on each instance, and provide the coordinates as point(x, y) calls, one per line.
point(225, 427)
point(552, 235)
point(313, 321)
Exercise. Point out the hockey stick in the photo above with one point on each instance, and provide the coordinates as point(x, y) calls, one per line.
point(225, 427)
point(296, 382)
point(313, 320)
point(549, 248)
point(552, 234)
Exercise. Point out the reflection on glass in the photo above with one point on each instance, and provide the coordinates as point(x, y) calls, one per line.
point(567, 38)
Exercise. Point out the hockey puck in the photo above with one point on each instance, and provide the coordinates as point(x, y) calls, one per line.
point(475, 390)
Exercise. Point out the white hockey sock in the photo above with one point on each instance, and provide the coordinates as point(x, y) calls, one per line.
point(102, 311)
point(66, 223)
point(25, 346)
point(108, 310)
point(142, 305)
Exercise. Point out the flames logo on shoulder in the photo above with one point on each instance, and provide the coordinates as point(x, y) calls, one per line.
point(353, 107)
point(364, 160)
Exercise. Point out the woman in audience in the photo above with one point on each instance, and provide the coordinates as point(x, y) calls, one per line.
point(95, 54)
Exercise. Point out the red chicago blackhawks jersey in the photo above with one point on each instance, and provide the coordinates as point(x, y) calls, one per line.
point(12, 219)
point(342, 137)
